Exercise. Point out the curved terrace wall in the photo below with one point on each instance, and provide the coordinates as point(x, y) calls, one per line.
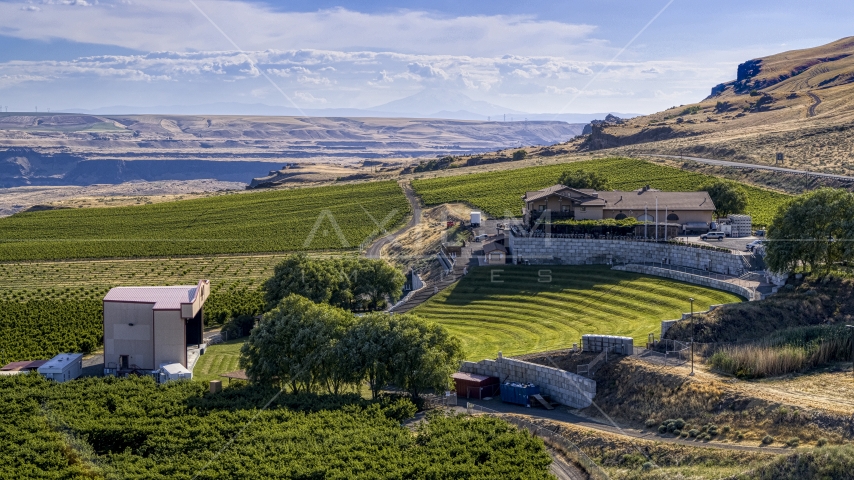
point(586, 251)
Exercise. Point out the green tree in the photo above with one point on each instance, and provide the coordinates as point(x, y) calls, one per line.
point(368, 348)
point(295, 344)
point(298, 274)
point(728, 197)
point(813, 230)
point(344, 282)
point(520, 155)
point(376, 280)
point(583, 179)
point(425, 355)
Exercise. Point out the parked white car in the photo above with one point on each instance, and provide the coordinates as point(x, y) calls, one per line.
point(756, 243)
point(713, 236)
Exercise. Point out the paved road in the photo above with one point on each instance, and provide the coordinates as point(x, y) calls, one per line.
point(726, 163)
point(374, 250)
point(817, 101)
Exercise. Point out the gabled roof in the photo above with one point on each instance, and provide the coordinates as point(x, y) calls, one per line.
point(494, 246)
point(639, 199)
point(634, 200)
point(163, 298)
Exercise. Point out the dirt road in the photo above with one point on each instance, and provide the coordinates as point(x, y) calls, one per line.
point(726, 163)
point(374, 250)
point(816, 102)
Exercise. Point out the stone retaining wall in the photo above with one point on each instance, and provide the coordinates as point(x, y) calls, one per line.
point(745, 292)
point(563, 387)
point(586, 251)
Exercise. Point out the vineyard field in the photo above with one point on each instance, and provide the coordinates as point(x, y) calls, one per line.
point(135, 429)
point(305, 219)
point(39, 329)
point(499, 193)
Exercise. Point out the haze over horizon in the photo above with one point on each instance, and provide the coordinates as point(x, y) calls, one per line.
point(535, 58)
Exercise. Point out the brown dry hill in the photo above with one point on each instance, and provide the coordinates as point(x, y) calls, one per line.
point(797, 102)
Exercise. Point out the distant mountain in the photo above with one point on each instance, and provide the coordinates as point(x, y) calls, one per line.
point(428, 103)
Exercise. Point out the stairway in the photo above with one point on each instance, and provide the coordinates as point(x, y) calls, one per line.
point(463, 260)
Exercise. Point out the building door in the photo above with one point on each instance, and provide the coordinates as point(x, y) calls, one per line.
point(124, 362)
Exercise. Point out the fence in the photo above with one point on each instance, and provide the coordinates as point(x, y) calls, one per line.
point(552, 438)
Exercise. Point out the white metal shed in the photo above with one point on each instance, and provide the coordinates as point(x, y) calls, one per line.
point(63, 367)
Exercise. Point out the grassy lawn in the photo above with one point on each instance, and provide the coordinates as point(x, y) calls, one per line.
point(516, 310)
point(218, 359)
point(498, 193)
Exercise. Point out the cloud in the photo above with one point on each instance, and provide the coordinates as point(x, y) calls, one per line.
point(156, 25)
point(552, 90)
point(424, 70)
point(306, 97)
point(651, 71)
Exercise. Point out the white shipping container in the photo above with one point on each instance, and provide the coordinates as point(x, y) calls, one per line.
point(475, 218)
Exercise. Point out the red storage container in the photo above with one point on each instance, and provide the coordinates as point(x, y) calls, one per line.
point(470, 385)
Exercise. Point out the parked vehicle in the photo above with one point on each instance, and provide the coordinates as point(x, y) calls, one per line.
point(756, 243)
point(713, 236)
point(760, 233)
point(481, 237)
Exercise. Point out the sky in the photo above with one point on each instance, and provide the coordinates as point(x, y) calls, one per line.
point(525, 56)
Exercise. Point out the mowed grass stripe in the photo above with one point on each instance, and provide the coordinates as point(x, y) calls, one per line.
point(319, 218)
point(526, 314)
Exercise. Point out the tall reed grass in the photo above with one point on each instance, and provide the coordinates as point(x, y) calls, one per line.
point(790, 351)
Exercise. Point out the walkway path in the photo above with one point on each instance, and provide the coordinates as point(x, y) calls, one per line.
point(726, 163)
point(563, 415)
point(463, 262)
point(374, 250)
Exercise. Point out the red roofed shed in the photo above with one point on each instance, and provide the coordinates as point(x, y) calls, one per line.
point(470, 385)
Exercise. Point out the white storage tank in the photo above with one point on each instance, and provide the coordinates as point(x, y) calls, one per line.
point(63, 367)
point(475, 219)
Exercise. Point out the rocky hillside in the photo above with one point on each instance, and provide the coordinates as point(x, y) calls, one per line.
point(798, 103)
point(48, 149)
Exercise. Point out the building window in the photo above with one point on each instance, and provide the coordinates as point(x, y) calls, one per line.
point(564, 208)
point(583, 209)
point(620, 216)
point(542, 207)
point(646, 218)
point(672, 217)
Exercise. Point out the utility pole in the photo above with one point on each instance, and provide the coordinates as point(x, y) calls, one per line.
point(852, 350)
point(692, 335)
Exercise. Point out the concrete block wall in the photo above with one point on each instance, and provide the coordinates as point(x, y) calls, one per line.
point(598, 343)
point(564, 387)
point(745, 292)
point(583, 251)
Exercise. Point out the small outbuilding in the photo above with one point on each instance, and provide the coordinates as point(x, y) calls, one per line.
point(63, 367)
point(24, 366)
point(174, 371)
point(470, 385)
point(495, 253)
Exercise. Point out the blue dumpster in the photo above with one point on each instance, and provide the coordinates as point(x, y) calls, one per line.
point(518, 393)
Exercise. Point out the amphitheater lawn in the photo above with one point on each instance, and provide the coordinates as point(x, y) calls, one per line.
point(517, 310)
point(319, 218)
point(499, 193)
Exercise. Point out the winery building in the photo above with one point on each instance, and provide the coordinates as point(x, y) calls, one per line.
point(562, 202)
point(148, 327)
